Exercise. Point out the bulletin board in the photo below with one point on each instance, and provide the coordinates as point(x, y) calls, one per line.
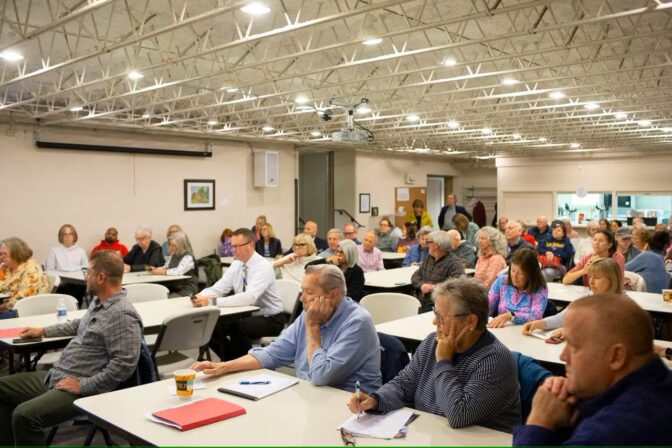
point(403, 198)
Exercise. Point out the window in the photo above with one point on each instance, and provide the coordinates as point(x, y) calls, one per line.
point(656, 206)
point(592, 206)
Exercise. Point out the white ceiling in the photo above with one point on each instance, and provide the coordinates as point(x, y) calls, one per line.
point(614, 53)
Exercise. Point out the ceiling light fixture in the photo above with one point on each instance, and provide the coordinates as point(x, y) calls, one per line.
point(363, 109)
point(542, 139)
point(556, 95)
point(450, 62)
point(591, 106)
point(11, 56)
point(267, 128)
point(575, 145)
point(621, 115)
point(369, 33)
point(666, 129)
point(373, 41)
point(212, 122)
point(509, 81)
point(232, 89)
point(301, 99)
point(644, 123)
point(486, 131)
point(76, 108)
point(516, 136)
point(453, 124)
point(135, 75)
point(315, 133)
point(412, 117)
point(256, 9)
point(146, 115)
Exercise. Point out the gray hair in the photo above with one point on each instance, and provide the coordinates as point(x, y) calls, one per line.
point(334, 230)
point(466, 296)
point(182, 243)
point(497, 240)
point(144, 229)
point(328, 277)
point(442, 240)
point(350, 252)
point(424, 230)
point(591, 225)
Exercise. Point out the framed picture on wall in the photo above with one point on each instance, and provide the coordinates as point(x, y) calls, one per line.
point(199, 194)
point(364, 202)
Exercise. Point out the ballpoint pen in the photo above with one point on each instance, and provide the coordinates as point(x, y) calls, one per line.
point(358, 396)
point(250, 383)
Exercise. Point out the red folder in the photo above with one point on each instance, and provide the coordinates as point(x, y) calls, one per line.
point(199, 413)
point(13, 332)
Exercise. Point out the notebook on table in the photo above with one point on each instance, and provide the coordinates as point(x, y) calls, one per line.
point(257, 387)
point(197, 413)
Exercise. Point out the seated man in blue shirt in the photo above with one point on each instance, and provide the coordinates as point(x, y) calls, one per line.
point(617, 391)
point(332, 343)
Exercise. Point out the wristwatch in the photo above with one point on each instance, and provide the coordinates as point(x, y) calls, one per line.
point(668, 353)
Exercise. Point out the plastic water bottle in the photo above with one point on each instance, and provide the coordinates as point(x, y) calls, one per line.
point(61, 311)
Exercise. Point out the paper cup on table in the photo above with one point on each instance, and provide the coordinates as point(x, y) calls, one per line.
point(667, 296)
point(184, 382)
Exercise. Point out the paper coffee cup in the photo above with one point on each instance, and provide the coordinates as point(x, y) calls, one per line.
point(667, 295)
point(184, 382)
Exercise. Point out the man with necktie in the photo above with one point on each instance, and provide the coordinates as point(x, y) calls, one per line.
point(250, 280)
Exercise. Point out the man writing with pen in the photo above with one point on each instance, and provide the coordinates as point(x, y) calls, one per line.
point(462, 371)
point(332, 343)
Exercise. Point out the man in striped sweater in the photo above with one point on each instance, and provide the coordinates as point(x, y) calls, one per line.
point(461, 371)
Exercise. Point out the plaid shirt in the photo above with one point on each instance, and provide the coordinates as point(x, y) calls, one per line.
point(437, 271)
point(106, 347)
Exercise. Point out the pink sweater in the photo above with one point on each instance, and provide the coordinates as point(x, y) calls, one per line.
point(487, 268)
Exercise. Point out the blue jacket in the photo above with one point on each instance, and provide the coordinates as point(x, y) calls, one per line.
point(561, 248)
point(634, 411)
point(651, 267)
point(539, 236)
point(415, 254)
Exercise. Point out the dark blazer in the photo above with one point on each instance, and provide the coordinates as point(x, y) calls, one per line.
point(153, 257)
point(458, 209)
point(274, 247)
point(320, 243)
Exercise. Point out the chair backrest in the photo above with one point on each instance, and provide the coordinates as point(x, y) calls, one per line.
point(187, 330)
point(54, 281)
point(145, 292)
point(289, 293)
point(631, 282)
point(145, 372)
point(385, 306)
point(393, 357)
point(43, 304)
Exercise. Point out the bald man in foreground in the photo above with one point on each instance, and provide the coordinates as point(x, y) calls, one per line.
point(617, 391)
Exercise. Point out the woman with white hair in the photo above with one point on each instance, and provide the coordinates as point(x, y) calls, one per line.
point(417, 253)
point(492, 249)
point(346, 258)
point(181, 262)
point(292, 266)
point(440, 265)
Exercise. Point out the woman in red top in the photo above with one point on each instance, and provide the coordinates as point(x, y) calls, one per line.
point(604, 246)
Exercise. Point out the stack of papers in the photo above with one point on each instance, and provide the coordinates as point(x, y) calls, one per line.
point(378, 426)
point(257, 387)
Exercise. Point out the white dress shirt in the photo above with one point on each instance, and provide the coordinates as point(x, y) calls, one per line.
point(63, 258)
point(259, 287)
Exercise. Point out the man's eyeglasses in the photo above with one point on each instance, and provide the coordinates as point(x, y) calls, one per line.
point(453, 316)
point(236, 246)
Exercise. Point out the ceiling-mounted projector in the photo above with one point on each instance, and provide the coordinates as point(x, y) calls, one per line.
point(353, 132)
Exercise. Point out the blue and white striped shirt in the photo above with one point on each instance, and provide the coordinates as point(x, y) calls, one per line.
point(478, 387)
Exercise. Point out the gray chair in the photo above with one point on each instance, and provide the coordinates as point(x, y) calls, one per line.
point(54, 282)
point(289, 293)
point(387, 306)
point(145, 292)
point(43, 304)
point(190, 330)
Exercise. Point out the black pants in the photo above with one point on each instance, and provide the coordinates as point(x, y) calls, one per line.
point(233, 339)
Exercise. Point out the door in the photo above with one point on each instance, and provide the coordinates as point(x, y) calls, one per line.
point(316, 191)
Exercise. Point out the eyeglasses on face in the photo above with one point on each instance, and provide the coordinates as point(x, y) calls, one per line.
point(447, 316)
point(299, 244)
point(236, 246)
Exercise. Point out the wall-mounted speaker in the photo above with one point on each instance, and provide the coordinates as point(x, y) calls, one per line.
point(266, 169)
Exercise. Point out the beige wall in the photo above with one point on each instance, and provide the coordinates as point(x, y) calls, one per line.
point(627, 173)
point(45, 188)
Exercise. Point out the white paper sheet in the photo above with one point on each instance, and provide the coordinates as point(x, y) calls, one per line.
point(540, 334)
point(378, 426)
point(258, 391)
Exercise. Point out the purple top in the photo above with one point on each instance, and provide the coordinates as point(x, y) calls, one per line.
point(224, 249)
point(526, 306)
